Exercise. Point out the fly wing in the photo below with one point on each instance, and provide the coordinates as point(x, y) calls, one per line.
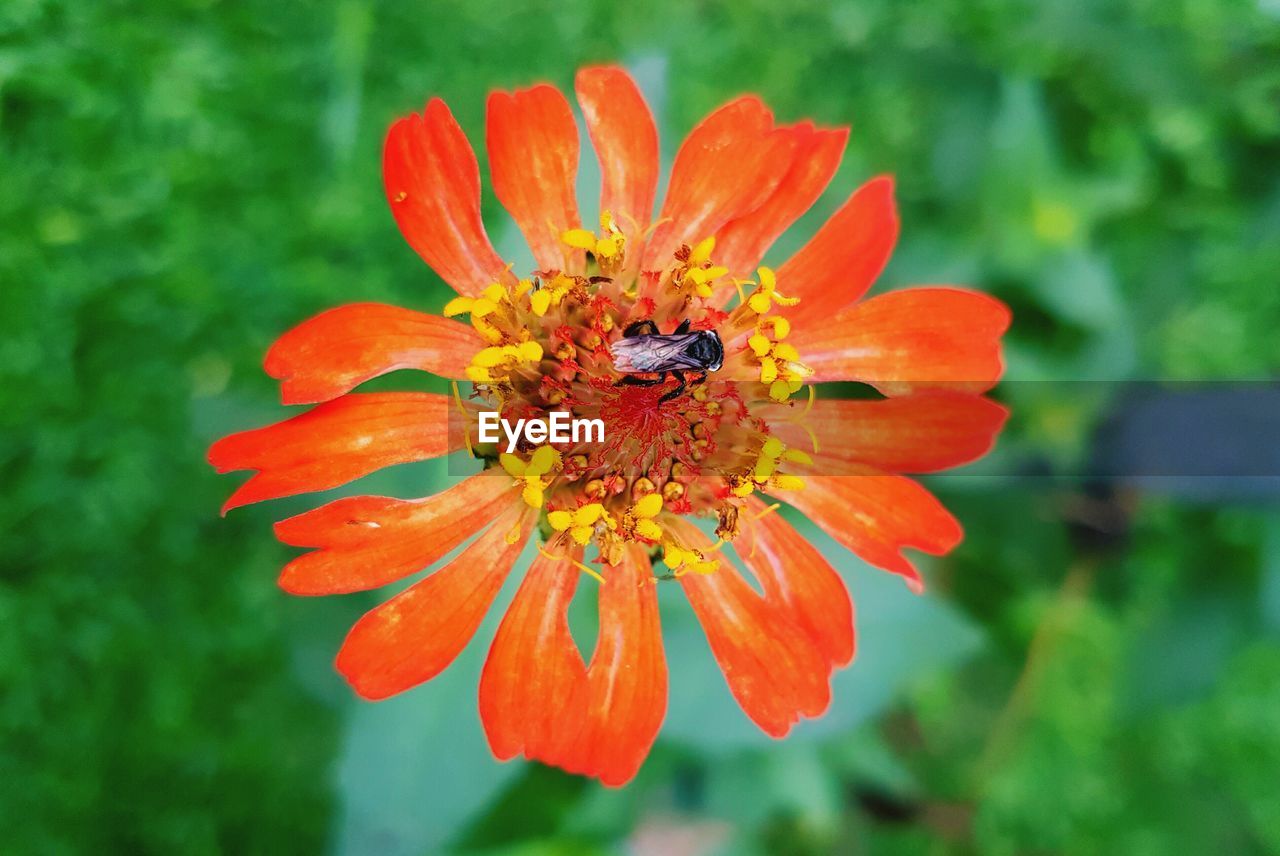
point(652, 354)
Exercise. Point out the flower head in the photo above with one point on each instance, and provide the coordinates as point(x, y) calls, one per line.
point(714, 447)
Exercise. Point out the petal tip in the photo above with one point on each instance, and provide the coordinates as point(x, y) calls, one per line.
point(364, 689)
point(291, 582)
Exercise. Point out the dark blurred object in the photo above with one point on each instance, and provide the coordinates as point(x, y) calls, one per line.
point(1099, 515)
point(1203, 443)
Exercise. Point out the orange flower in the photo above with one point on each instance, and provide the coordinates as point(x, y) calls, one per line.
point(672, 453)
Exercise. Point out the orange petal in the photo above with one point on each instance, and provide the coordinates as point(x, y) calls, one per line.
point(626, 142)
point(877, 515)
point(336, 442)
point(337, 350)
point(626, 688)
point(792, 571)
point(929, 431)
point(774, 669)
point(433, 185)
point(416, 635)
point(905, 340)
point(534, 671)
point(533, 158)
point(846, 255)
point(741, 245)
point(727, 167)
point(364, 542)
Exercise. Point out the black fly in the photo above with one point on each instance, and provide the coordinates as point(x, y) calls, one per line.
point(643, 350)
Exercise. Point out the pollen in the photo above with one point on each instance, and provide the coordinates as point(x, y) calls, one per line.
point(496, 362)
point(608, 247)
point(780, 367)
point(766, 293)
point(693, 273)
point(765, 473)
point(533, 474)
point(638, 521)
point(683, 560)
point(552, 293)
point(581, 523)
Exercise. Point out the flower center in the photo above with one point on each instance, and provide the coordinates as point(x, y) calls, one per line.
point(677, 441)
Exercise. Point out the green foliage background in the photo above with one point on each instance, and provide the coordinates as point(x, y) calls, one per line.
point(181, 181)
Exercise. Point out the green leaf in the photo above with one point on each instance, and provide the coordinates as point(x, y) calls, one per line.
point(900, 636)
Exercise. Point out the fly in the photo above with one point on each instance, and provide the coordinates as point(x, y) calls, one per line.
point(643, 350)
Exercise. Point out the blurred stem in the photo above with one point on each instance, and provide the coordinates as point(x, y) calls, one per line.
point(1073, 593)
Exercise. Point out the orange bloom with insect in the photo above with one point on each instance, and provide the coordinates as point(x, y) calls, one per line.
point(701, 363)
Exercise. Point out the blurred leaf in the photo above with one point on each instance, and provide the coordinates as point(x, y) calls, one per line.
point(416, 768)
point(532, 807)
point(900, 636)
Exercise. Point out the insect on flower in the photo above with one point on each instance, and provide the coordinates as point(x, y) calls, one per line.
point(643, 350)
point(580, 334)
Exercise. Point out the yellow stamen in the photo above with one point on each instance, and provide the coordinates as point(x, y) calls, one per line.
point(486, 330)
point(608, 248)
point(542, 460)
point(489, 357)
point(764, 468)
point(768, 510)
point(785, 482)
point(701, 253)
point(512, 464)
point(813, 394)
point(583, 239)
point(514, 535)
point(588, 514)
point(587, 570)
point(786, 351)
point(466, 430)
point(457, 306)
point(531, 352)
point(768, 281)
point(584, 568)
point(813, 438)
point(649, 530)
point(540, 302)
point(648, 506)
point(533, 492)
point(762, 300)
point(498, 360)
point(682, 560)
point(796, 456)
